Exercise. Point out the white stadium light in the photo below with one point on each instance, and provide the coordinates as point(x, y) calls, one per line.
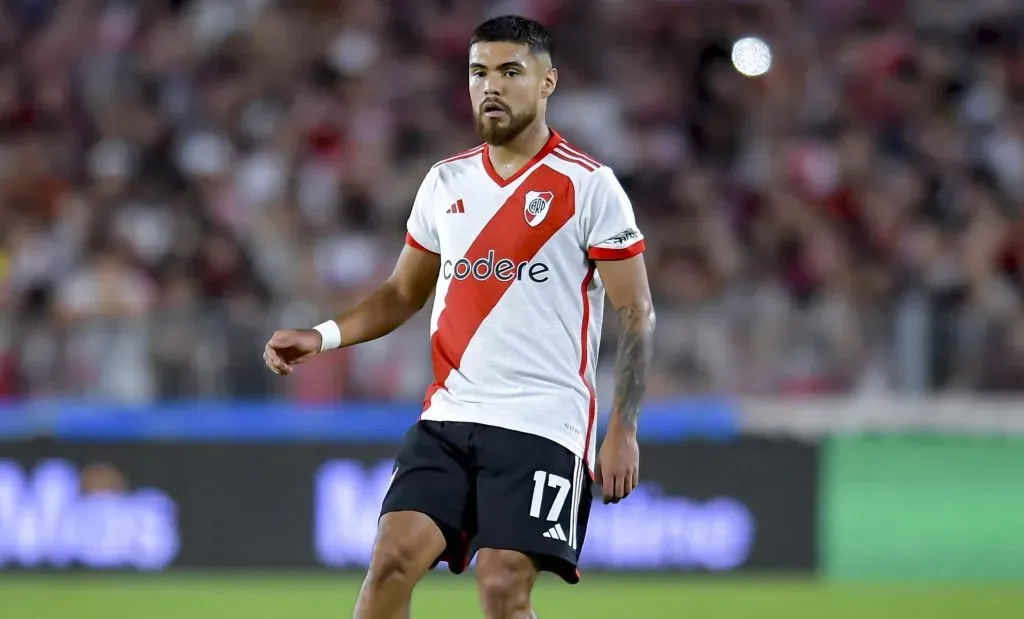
point(751, 56)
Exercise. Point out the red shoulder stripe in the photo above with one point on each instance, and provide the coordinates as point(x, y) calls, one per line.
point(572, 150)
point(564, 157)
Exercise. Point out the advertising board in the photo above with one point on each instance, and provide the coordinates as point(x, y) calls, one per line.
point(701, 506)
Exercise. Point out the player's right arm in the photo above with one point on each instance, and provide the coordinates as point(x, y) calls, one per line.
point(395, 301)
point(388, 307)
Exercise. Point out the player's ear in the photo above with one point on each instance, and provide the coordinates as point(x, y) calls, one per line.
point(547, 86)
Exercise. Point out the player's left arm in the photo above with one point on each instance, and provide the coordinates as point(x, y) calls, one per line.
point(625, 281)
point(628, 292)
point(616, 245)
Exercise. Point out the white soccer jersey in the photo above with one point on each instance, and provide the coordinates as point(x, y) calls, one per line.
point(517, 311)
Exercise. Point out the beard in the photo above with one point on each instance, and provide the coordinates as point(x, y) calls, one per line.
point(499, 131)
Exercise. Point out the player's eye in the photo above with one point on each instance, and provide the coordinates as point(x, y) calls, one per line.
point(511, 73)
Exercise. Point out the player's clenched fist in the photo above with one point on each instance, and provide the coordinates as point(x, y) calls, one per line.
point(618, 465)
point(291, 347)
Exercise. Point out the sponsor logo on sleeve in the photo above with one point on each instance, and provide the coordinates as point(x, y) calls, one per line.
point(623, 238)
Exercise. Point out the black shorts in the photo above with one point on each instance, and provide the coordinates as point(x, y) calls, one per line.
point(488, 487)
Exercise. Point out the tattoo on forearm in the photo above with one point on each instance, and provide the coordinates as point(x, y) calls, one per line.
point(633, 361)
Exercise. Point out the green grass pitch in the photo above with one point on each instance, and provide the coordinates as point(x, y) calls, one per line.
point(208, 596)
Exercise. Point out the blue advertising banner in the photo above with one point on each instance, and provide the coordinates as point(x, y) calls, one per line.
point(272, 485)
point(702, 506)
point(266, 421)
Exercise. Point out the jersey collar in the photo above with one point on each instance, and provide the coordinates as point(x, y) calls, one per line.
point(543, 152)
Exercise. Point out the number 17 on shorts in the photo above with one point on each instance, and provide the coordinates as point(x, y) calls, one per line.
point(557, 488)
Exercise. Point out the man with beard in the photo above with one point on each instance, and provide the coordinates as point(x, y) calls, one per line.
point(520, 237)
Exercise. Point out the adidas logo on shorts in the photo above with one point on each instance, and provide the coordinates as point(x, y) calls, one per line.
point(556, 532)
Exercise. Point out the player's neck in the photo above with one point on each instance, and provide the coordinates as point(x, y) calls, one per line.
point(509, 158)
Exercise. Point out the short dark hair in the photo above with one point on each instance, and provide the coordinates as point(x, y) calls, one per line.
point(514, 29)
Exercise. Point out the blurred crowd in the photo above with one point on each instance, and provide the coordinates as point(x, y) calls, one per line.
point(180, 178)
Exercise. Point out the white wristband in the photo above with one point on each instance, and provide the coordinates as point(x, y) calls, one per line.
point(330, 335)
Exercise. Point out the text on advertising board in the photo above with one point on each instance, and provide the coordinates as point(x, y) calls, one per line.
point(648, 531)
point(46, 520)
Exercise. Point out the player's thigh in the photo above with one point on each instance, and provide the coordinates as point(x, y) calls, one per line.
point(505, 579)
point(408, 544)
point(533, 496)
point(433, 477)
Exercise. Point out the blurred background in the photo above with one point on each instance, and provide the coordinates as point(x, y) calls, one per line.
point(835, 244)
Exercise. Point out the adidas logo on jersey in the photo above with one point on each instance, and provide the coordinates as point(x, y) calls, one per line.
point(556, 532)
point(457, 207)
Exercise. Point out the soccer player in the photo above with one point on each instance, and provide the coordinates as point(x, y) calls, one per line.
point(519, 239)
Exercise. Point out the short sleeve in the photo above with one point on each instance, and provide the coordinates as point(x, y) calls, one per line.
point(421, 229)
point(609, 226)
